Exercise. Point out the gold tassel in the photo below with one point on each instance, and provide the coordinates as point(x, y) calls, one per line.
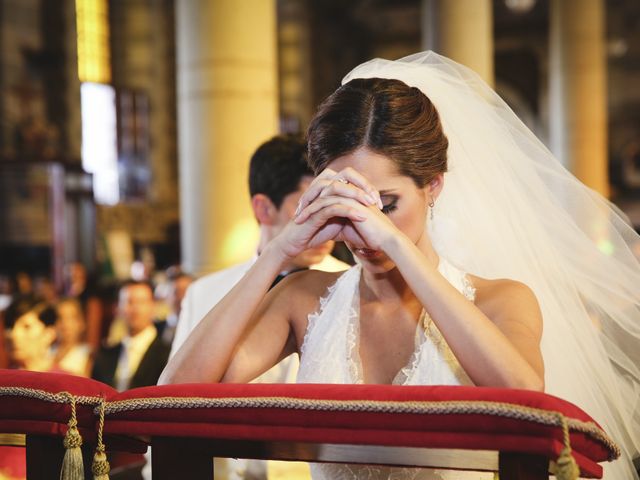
point(72, 465)
point(565, 468)
point(100, 467)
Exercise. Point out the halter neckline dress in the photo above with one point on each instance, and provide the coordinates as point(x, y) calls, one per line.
point(330, 354)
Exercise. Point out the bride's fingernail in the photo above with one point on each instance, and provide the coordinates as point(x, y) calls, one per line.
point(297, 210)
point(370, 200)
point(379, 202)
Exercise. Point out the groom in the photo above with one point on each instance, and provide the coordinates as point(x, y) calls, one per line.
point(278, 176)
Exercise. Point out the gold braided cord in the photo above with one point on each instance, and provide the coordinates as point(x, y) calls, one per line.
point(61, 397)
point(73, 421)
point(448, 407)
point(72, 463)
point(101, 407)
point(457, 407)
point(100, 466)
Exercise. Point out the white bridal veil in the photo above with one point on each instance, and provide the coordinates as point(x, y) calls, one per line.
point(509, 209)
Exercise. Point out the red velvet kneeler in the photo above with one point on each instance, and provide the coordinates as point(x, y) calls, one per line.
point(426, 417)
point(39, 406)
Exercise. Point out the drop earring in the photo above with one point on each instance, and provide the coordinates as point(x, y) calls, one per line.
point(431, 205)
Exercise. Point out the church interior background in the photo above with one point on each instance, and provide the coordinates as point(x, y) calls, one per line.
point(104, 189)
point(126, 126)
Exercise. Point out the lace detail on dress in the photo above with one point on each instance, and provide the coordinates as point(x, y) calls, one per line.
point(353, 346)
point(313, 317)
point(328, 471)
point(330, 354)
point(454, 373)
point(406, 373)
point(468, 290)
point(375, 472)
point(326, 343)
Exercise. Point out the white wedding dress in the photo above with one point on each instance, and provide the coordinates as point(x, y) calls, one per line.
point(330, 354)
point(509, 209)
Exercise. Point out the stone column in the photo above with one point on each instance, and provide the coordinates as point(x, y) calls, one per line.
point(294, 51)
point(577, 90)
point(227, 106)
point(461, 30)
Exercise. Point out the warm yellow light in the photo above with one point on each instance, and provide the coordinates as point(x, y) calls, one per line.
point(240, 243)
point(92, 24)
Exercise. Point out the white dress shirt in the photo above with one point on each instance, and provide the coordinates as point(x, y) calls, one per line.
point(133, 349)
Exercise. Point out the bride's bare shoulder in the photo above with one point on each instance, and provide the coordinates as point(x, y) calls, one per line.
point(507, 300)
point(302, 292)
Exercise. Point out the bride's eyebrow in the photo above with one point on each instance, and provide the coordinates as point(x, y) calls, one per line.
point(387, 192)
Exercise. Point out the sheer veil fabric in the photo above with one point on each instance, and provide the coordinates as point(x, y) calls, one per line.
point(509, 209)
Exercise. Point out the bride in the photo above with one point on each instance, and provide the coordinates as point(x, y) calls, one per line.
point(480, 261)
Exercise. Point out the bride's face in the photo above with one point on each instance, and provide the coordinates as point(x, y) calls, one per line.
point(404, 203)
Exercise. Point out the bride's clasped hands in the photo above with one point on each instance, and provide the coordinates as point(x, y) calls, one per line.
point(341, 206)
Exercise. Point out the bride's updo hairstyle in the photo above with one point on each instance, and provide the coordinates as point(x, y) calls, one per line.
point(385, 116)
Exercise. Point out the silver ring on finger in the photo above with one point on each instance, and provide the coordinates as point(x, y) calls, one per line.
point(342, 180)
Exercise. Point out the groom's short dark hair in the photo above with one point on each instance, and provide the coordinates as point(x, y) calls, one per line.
point(277, 167)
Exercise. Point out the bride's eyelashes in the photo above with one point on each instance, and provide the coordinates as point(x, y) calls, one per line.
point(389, 205)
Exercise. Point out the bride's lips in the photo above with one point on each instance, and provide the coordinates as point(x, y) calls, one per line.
point(367, 253)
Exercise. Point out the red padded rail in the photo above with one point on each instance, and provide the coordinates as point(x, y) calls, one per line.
point(317, 413)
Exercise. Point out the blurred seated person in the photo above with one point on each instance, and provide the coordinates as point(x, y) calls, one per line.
point(22, 287)
point(30, 332)
point(140, 357)
point(77, 286)
point(45, 290)
point(70, 352)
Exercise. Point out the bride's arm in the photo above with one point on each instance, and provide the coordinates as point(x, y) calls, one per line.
point(249, 330)
point(503, 351)
point(211, 349)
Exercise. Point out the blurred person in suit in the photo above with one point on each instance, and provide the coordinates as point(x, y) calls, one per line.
point(139, 358)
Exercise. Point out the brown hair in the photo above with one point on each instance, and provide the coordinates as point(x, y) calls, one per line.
point(385, 116)
point(70, 301)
